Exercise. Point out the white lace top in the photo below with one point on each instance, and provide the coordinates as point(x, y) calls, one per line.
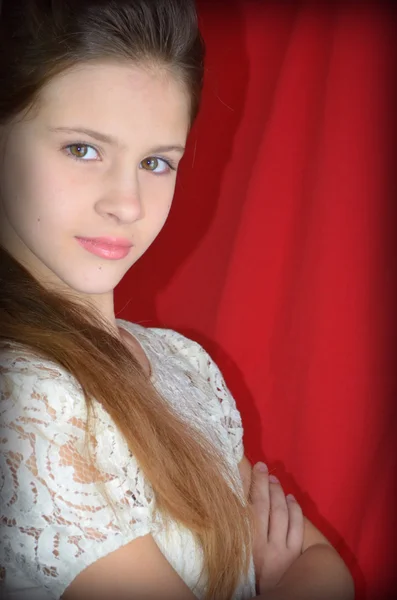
point(54, 521)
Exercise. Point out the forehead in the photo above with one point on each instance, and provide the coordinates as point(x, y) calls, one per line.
point(118, 98)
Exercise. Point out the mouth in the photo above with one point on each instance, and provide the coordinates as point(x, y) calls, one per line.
point(110, 248)
point(109, 241)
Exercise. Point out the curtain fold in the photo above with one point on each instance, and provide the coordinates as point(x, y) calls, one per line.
point(277, 256)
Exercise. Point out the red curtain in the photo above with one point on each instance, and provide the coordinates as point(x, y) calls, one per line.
point(277, 256)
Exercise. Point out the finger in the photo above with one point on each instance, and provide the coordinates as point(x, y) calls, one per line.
point(259, 497)
point(296, 524)
point(279, 514)
point(260, 486)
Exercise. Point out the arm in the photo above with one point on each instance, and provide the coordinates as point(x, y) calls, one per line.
point(80, 553)
point(317, 574)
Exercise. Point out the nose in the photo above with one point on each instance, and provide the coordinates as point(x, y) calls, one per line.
point(123, 200)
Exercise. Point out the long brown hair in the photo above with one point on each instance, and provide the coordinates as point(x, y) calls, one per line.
point(191, 479)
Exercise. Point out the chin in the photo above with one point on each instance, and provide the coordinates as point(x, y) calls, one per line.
point(99, 283)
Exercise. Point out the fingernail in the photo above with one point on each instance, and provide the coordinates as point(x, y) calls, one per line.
point(273, 479)
point(262, 467)
point(291, 498)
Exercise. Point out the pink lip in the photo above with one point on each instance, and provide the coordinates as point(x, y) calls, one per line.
point(110, 241)
point(111, 248)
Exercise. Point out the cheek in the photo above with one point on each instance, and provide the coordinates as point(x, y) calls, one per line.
point(164, 207)
point(158, 200)
point(156, 210)
point(34, 198)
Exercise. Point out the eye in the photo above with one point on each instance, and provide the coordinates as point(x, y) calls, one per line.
point(157, 165)
point(81, 151)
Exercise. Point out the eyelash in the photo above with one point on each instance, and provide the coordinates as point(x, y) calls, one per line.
point(81, 160)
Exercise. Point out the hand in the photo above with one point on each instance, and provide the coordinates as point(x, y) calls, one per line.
point(279, 525)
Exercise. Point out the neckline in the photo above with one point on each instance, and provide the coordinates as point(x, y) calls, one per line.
point(130, 329)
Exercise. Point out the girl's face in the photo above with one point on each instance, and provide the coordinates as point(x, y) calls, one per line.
point(57, 185)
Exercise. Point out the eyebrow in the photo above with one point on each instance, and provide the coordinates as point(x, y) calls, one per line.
point(109, 139)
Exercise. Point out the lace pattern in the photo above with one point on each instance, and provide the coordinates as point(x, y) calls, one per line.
point(53, 520)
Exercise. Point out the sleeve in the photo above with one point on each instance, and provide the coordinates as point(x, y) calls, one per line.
point(54, 521)
point(205, 366)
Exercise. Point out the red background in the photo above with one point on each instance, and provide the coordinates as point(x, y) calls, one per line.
point(278, 256)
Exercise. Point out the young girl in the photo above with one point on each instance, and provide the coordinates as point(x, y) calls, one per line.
point(122, 464)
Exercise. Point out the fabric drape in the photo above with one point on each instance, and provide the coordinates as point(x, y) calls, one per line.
point(278, 256)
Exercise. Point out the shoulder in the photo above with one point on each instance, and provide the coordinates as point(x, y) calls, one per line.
point(20, 360)
point(29, 384)
point(171, 344)
point(182, 353)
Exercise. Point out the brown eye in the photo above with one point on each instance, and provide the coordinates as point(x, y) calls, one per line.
point(157, 166)
point(150, 164)
point(81, 150)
